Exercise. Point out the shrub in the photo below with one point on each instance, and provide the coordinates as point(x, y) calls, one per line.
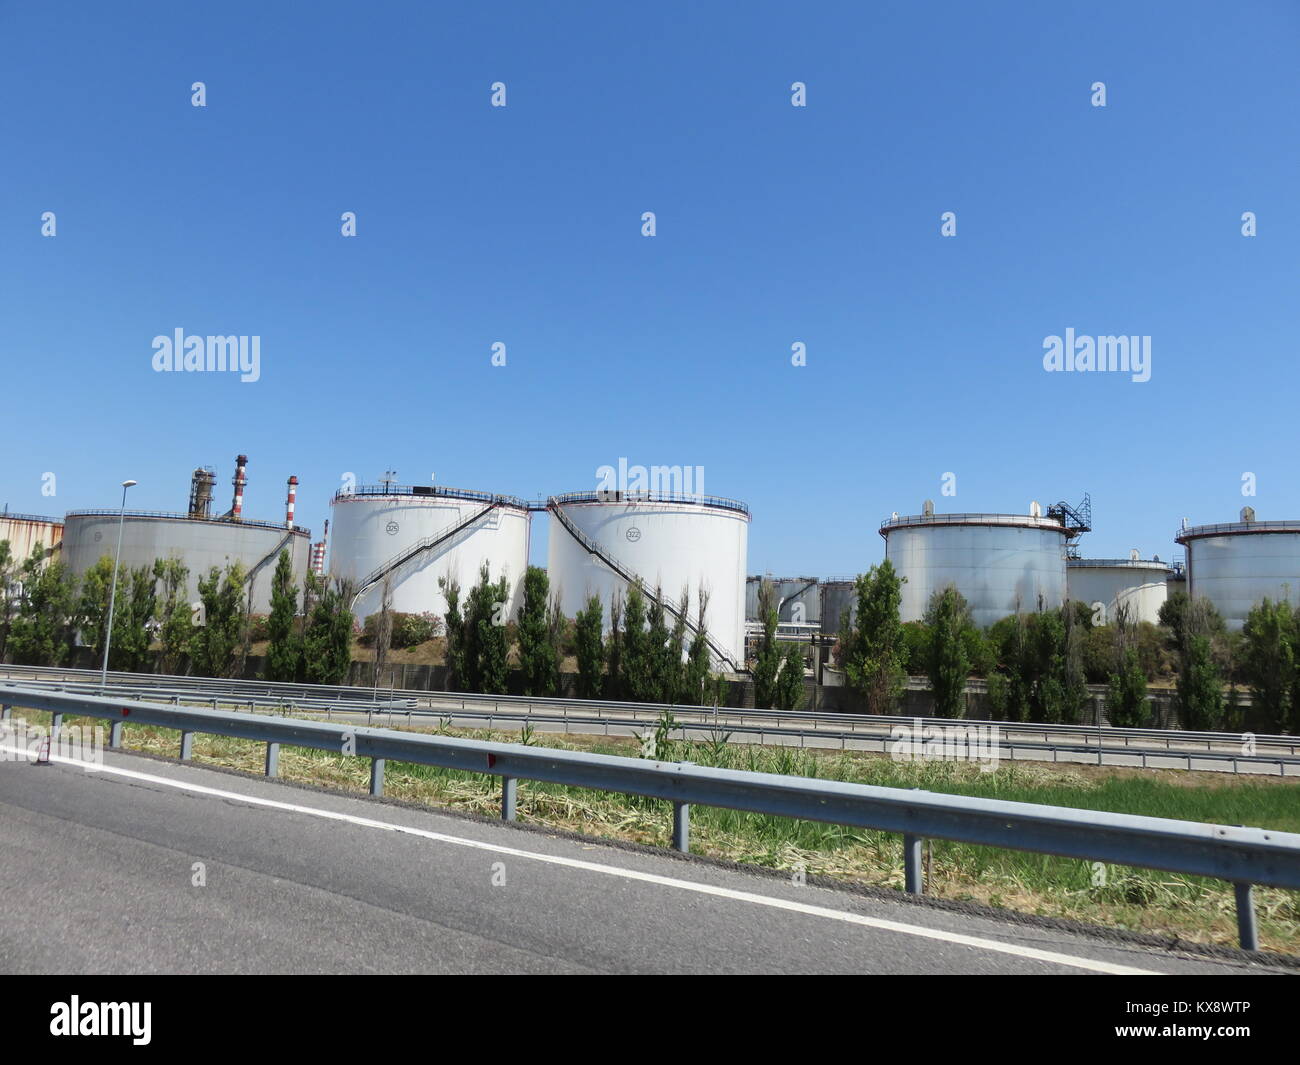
point(409, 630)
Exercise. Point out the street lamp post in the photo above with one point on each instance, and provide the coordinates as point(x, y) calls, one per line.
point(112, 595)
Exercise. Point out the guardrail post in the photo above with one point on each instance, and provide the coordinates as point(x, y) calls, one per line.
point(272, 759)
point(115, 734)
point(5, 712)
point(509, 789)
point(682, 827)
point(187, 745)
point(912, 864)
point(376, 776)
point(1247, 931)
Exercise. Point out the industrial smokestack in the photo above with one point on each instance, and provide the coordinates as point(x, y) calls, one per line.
point(241, 479)
point(317, 559)
point(289, 503)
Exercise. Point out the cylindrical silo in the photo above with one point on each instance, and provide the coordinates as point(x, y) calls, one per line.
point(838, 595)
point(797, 600)
point(1138, 584)
point(598, 540)
point(1001, 563)
point(25, 531)
point(1236, 565)
point(412, 535)
point(200, 543)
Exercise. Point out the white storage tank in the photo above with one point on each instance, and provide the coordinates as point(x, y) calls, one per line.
point(200, 543)
point(600, 539)
point(1140, 585)
point(1001, 563)
point(1238, 564)
point(417, 534)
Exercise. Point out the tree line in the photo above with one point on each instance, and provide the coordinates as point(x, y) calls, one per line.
point(648, 655)
point(1037, 665)
point(46, 612)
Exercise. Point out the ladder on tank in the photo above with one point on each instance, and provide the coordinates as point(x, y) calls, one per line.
point(596, 551)
point(418, 548)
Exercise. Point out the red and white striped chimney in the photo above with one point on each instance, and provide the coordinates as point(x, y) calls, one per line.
point(241, 479)
point(318, 551)
point(289, 503)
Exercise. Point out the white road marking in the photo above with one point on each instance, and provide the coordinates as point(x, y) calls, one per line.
point(975, 942)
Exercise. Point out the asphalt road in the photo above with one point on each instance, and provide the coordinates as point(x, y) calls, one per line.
point(99, 875)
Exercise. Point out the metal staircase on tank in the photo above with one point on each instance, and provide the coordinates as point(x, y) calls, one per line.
point(418, 548)
point(596, 551)
point(1077, 521)
point(274, 553)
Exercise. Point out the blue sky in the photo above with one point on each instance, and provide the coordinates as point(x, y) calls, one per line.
point(775, 225)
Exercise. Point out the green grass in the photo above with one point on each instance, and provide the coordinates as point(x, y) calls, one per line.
point(1193, 908)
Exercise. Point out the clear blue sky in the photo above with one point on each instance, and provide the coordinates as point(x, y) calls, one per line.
point(776, 224)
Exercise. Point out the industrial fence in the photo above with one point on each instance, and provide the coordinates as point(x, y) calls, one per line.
point(1239, 855)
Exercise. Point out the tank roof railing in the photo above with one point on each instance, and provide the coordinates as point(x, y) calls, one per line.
point(8, 516)
point(603, 496)
point(426, 491)
point(1234, 528)
point(1024, 520)
point(1137, 563)
point(297, 530)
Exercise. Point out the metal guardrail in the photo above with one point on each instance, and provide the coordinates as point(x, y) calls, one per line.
point(877, 735)
point(724, 716)
point(1243, 856)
